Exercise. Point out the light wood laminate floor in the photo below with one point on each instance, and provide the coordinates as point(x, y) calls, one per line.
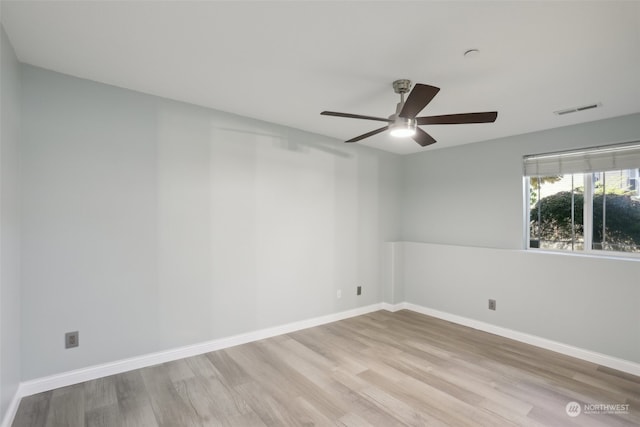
point(379, 369)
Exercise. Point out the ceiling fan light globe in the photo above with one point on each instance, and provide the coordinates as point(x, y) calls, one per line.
point(403, 127)
point(401, 132)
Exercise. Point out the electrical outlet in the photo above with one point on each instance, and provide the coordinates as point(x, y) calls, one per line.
point(359, 290)
point(71, 339)
point(492, 304)
point(339, 293)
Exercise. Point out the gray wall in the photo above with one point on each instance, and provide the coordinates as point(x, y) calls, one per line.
point(465, 200)
point(9, 224)
point(590, 303)
point(150, 224)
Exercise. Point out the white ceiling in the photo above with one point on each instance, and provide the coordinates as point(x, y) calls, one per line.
point(285, 62)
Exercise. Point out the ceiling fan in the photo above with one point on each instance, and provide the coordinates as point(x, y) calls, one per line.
point(404, 123)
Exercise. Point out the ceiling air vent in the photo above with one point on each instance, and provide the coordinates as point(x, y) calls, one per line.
point(576, 109)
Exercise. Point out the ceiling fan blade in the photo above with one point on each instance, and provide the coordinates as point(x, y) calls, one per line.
point(354, 116)
point(368, 134)
point(423, 138)
point(419, 97)
point(457, 119)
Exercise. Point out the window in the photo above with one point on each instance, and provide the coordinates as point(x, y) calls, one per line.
point(587, 200)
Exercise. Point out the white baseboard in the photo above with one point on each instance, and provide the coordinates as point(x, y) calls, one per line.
point(577, 352)
point(392, 307)
point(39, 385)
point(11, 411)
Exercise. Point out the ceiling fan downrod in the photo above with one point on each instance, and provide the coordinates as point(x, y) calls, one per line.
point(401, 87)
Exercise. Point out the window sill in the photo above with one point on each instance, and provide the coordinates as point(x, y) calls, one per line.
point(620, 256)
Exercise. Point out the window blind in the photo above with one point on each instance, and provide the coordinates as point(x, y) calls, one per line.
point(597, 159)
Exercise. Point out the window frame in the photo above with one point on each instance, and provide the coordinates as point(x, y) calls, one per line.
point(589, 192)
